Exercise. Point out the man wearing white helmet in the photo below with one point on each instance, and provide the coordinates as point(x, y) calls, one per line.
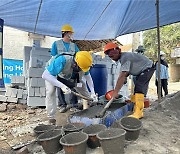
point(163, 74)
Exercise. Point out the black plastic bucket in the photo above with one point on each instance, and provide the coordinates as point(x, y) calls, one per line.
point(112, 140)
point(74, 143)
point(73, 127)
point(92, 131)
point(43, 128)
point(50, 141)
point(132, 127)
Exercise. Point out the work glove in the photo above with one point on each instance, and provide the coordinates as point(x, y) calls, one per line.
point(94, 97)
point(65, 89)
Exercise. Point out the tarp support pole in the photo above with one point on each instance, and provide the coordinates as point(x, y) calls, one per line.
point(158, 39)
point(37, 16)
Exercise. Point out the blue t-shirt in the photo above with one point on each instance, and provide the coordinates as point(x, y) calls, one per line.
point(54, 48)
point(57, 65)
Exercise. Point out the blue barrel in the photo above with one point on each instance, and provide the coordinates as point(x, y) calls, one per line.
point(99, 76)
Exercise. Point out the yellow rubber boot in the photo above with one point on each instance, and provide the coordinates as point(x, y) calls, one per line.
point(139, 106)
point(133, 98)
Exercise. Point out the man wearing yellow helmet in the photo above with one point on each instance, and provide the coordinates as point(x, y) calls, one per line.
point(65, 45)
point(64, 66)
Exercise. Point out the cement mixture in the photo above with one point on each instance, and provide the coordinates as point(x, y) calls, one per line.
point(160, 133)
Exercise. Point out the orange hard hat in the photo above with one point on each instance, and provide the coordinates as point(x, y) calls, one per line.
point(109, 46)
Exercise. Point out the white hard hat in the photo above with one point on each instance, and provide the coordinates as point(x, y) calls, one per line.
point(162, 53)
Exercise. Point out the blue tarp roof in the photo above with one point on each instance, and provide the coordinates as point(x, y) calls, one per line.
point(90, 19)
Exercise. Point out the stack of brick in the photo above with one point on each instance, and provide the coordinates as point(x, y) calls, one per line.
point(34, 82)
point(18, 94)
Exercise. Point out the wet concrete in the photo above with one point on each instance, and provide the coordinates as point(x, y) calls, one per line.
point(92, 111)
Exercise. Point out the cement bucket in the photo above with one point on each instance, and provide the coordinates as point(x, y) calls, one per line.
point(43, 128)
point(73, 127)
point(50, 141)
point(112, 140)
point(74, 143)
point(132, 127)
point(92, 131)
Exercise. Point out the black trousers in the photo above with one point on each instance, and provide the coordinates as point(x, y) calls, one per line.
point(164, 86)
point(61, 97)
point(142, 80)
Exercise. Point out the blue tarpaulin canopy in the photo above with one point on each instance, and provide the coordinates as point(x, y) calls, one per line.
point(90, 19)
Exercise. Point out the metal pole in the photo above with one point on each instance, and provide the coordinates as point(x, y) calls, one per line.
point(158, 39)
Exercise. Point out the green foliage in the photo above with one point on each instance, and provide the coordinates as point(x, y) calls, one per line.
point(169, 38)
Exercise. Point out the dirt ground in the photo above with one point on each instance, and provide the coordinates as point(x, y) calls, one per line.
point(160, 133)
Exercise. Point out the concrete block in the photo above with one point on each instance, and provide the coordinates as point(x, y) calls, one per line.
point(36, 62)
point(13, 79)
point(20, 79)
point(27, 82)
point(8, 92)
point(2, 91)
point(24, 96)
point(42, 91)
point(3, 98)
point(40, 51)
point(35, 72)
point(33, 82)
point(37, 91)
point(12, 99)
point(41, 82)
point(19, 93)
point(25, 92)
point(26, 56)
point(27, 67)
point(14, 92)
point(22, 101)
point(31, 91)
point(36, 101)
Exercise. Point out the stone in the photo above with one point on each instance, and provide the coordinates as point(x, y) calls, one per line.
point(3, 107)
point(11, 106)
point(23, 150)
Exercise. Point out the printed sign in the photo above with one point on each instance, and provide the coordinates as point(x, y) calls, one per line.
point(12, 67)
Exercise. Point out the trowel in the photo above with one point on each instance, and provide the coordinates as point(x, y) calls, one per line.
point(102, 113)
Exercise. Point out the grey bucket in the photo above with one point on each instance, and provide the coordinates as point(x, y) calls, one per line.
point(43, 128)
point(112, 140)
point(50, 141)
point(73, 127)
point(74, 143)
point(132, 127)
point(92, 131)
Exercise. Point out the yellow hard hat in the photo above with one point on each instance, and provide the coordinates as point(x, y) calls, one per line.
point(67, 28)
point(84, 60)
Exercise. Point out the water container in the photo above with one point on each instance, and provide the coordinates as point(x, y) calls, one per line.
point(99, 76)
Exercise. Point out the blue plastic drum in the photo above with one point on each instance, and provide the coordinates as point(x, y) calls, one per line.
point(99, 76)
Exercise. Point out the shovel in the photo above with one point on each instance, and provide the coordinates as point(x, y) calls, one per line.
point(79, 95)
point(101, 114)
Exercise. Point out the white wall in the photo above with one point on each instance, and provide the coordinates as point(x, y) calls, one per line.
point(14, 41)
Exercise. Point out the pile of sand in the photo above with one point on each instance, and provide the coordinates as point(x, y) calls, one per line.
point(170, 105)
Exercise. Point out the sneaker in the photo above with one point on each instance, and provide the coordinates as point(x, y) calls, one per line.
point(73, 109)
point(62, 109)
point(52, 121)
